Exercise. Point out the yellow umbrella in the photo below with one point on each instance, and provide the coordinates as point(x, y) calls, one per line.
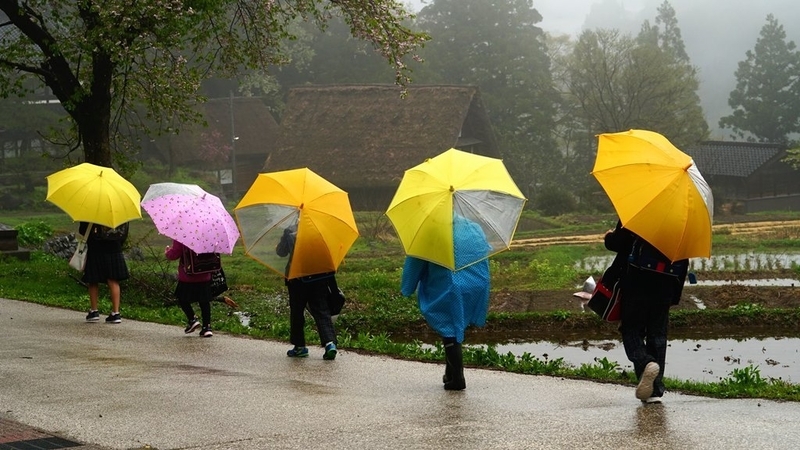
point(96, 194)
point(657, 192)
point(298, 199)
point(455, 182)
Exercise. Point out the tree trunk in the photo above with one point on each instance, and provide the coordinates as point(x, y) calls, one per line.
point(93, 114)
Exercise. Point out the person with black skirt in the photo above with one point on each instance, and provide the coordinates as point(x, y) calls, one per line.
point(105, 263)
point(191, 288)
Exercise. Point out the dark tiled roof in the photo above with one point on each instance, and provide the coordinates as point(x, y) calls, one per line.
point(736, 159)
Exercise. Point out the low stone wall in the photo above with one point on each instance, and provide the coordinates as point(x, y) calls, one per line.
point(61, 246)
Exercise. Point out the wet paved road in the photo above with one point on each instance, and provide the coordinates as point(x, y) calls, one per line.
point(138, 384)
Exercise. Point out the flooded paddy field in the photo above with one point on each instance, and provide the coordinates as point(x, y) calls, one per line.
point(707, 353)
point(687, 359)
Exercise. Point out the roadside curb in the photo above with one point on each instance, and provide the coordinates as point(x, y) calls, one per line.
point(18, 436)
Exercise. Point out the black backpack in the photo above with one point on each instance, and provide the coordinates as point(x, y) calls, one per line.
point(198, 263)
point(644, 256)
point(119, 233)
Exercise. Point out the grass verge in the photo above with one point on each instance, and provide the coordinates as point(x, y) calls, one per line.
point(377, 318)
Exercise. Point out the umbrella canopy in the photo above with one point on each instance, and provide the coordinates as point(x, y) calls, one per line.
point(161, 189)
point(96, 194)
point(320, 211)
point(194, 217)
point(474, 187)
point(657, 192)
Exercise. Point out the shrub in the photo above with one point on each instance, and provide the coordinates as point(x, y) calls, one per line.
point(32, 234)
point(554, 201)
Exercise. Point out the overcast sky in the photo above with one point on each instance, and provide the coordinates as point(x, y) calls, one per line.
point(560, 16)
point(717, 33)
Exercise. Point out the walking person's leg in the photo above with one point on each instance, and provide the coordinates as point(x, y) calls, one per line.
point(185, 303)
point(634, 315)
point(454, 365)
point(632, 330)
point(115, 293)
point(94, 295)
point(204, 300)
point(297, 319)
point(656, 337)
point(318, 307)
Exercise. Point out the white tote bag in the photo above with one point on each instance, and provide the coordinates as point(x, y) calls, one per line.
point(78, 260)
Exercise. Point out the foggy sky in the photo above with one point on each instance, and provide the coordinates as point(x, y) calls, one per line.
point(717, 33)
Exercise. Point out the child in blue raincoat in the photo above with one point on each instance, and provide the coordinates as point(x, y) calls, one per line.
point(451, 300)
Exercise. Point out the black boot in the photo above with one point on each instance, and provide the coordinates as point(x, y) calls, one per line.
point(454, 362)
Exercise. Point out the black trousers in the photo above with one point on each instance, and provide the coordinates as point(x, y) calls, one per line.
point(188, 293)
point(314, 296)
point(646, 299)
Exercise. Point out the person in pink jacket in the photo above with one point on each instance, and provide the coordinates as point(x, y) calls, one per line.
point(190, 289)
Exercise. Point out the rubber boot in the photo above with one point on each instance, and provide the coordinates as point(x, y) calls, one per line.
point(448, 368)
point(454, 360)
point(448, 371)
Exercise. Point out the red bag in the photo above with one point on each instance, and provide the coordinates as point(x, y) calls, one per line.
point(606, 302)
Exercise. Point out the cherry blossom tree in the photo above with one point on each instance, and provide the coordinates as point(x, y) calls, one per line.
point(118, 66)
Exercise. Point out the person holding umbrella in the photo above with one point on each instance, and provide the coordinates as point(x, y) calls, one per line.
point(191, 288)
point(649, 286)
point(105, 263)
point(665, 209)
point(451, 300)
point(299, 214)
point(103, 202)
point(198, 223)
point(309, 291)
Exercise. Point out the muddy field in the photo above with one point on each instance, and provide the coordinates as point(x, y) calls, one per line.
point(713, 297)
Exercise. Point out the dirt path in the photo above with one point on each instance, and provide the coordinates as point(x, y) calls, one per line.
point(785, 228)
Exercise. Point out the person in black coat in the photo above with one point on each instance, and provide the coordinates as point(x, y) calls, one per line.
point(650, 285)
point(307, 292)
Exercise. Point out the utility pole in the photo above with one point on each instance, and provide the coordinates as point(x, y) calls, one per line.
point(233, 150)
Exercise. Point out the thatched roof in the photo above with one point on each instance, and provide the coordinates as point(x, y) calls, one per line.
point(367, 135)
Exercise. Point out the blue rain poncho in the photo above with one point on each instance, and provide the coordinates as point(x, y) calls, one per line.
point(450, 300)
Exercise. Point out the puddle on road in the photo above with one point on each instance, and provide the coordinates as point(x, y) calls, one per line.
point(687, 359)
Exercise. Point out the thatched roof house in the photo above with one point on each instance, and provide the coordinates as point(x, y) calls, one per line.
point(751, 176)
point(254, 128)
point(363, 137)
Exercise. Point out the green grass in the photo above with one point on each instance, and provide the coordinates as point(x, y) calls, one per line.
point(377, 318)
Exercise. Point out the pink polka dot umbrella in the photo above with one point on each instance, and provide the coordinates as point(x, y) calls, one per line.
point(198, 220)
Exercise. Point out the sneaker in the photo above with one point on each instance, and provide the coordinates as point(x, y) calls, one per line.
point(206, 332)
point(330, 352)
point(652, 400)
point(297, 352)
point(93, 316)
point(193, 324)
point(114, 318)
point(644, 389)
